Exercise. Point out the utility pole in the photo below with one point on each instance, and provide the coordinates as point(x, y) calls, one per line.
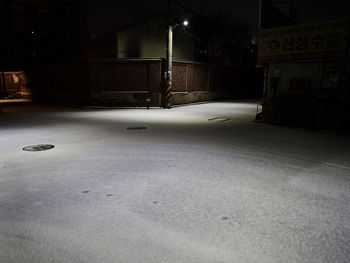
point(260, 26)
point(169, 60)
point(169, 57)
point(169, 71)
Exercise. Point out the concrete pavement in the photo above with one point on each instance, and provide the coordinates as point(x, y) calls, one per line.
point(202, 183)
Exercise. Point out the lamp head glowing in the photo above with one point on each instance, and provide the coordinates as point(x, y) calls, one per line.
point(185, 23)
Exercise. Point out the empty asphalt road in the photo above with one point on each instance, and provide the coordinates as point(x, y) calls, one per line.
point(198, 183)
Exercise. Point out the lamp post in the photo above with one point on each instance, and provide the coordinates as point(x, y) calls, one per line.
point(169, 59)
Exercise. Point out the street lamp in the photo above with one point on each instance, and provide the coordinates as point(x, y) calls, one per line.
point(169, 72)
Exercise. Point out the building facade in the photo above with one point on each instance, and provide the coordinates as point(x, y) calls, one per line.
point(143, 39)
point(306, 74)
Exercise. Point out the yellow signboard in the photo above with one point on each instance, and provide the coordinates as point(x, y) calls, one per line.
point(328, 39)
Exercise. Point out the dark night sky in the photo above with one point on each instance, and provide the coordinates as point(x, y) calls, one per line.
point(105, 15)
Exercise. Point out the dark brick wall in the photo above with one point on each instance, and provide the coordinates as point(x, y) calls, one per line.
point(126, 75)
point(122, 82)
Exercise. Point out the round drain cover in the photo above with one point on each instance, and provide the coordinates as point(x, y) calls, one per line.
point(38, 148)
point(137, 128)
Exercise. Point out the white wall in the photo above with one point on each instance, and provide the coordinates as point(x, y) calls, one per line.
point(149, 39)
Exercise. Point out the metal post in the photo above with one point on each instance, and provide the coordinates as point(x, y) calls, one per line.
point(260, 25)
point(168, 92)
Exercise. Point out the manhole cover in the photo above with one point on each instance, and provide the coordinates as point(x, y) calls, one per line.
point(137, 128)
point(38, 148)
point(218, 119)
